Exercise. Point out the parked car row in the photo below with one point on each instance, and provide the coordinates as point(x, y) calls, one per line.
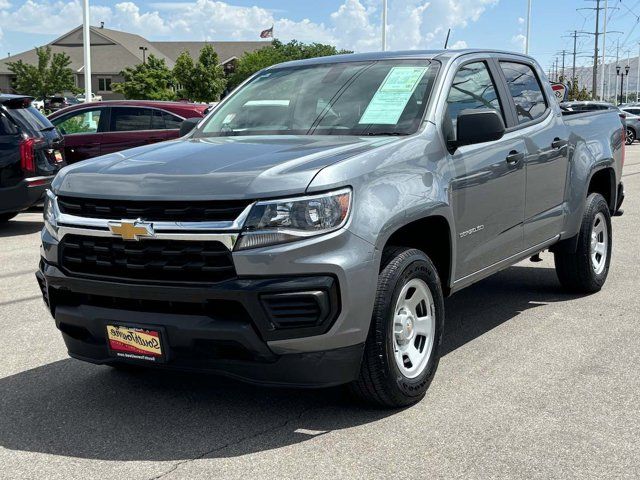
point(629, 115)
point(33, 147)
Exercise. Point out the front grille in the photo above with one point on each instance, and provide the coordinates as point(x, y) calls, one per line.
point(154, 260)
point(198, 211)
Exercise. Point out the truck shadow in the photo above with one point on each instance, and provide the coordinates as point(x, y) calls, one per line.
point(14, 228)
point(74, 409)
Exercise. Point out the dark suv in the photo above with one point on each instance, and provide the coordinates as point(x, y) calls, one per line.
point(98, 128)
point(30, 155)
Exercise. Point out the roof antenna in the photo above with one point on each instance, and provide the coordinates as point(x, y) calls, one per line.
point(446, 42)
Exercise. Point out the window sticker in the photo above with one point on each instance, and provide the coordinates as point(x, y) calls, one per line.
point(392, 96)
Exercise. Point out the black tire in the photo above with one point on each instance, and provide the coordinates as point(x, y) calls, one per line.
point(631, 136)
point(380, 381)
point(575, 270)
point(5, 217)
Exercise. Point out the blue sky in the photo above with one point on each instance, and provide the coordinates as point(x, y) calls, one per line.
point(353, 24)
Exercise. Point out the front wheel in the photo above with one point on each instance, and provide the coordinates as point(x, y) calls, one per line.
point(631, 136)
point(586, 269)
point(403, 346)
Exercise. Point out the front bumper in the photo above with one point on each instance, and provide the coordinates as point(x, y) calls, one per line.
point(225, 327)
point(24, 194)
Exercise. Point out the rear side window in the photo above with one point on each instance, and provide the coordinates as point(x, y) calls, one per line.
point(126, 119)
point(472, 88)
point(165, 121)
point(6, 126)
point(525, 90)
point(30, 119)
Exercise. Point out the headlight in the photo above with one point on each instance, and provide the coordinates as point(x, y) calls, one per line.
point(51, 214)
point(281, 221)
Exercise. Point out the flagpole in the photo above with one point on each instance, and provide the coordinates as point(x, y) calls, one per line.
point(384, 25)
point(86, 44)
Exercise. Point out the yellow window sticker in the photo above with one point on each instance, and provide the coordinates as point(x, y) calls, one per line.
point(392, 96)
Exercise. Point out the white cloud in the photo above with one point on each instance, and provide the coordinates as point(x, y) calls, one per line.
point(355, 24)
point(519, 41)
point(460, 44)
point(520, 21)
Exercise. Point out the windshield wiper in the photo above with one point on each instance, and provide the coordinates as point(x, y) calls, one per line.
point(394, 134)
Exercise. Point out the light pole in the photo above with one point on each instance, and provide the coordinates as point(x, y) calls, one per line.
point(638, 77)
point(144, 54)
point(622, 73)
point(384, 25)
point(526, 45)
point(86, 44)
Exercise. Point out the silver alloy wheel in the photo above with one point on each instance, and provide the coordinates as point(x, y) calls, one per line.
point(599, 243)
point(414, 325)
point(631, 137)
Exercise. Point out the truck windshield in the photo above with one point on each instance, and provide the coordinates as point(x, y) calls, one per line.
point(355, 98)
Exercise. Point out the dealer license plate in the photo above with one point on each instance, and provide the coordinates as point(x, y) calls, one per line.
point(135, 343)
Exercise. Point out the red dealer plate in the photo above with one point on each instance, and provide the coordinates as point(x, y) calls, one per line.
point(133, 343)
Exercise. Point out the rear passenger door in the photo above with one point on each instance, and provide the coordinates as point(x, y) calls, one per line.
point(546, 139)
point(487, 188)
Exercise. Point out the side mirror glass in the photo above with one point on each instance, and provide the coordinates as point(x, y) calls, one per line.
point(188, 124)
point(478, 126)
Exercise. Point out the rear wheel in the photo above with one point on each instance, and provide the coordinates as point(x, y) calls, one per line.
point(403, 346)
point(631, 136)
point(5, 217)
point(586, 269)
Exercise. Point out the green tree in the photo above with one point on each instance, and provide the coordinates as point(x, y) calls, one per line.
point(278, 52)
point(147, 81)
point(203, 81)
point(50, 76)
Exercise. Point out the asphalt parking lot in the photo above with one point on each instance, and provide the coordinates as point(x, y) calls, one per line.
point(534, 383)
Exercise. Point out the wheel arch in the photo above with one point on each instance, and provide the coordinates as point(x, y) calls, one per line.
point(438, 244)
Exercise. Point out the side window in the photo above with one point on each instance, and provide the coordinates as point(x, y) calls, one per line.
point(126, 119)
point(525, 90)
point(171, 121)
point(6, 126)
point(86, 121)
point(472, 88)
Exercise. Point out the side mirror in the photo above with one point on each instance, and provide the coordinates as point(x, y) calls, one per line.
point(478, 126)
point(188, 124)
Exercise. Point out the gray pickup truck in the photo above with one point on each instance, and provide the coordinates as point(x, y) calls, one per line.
point(307, 230)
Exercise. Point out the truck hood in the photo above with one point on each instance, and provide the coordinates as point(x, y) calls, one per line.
point(212, 168)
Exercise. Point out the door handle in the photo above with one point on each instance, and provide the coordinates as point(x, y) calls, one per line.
point(558, 143)
point(515, 157)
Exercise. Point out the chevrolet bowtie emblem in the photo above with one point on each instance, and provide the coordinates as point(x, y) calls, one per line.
point(131, 229)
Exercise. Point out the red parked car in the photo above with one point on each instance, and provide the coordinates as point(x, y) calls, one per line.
point(98, 128)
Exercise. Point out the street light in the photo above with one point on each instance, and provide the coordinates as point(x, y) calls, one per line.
point(144, 54)
point(621, 73)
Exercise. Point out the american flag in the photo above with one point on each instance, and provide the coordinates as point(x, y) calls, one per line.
point(268, 33)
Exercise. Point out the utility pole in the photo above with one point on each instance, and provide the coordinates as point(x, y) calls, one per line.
point(594, 93)
point(563, 53)
point(626, 95)
point(604, 42)
point(556, 69)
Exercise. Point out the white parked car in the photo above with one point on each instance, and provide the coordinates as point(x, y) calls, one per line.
point(94, 97)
